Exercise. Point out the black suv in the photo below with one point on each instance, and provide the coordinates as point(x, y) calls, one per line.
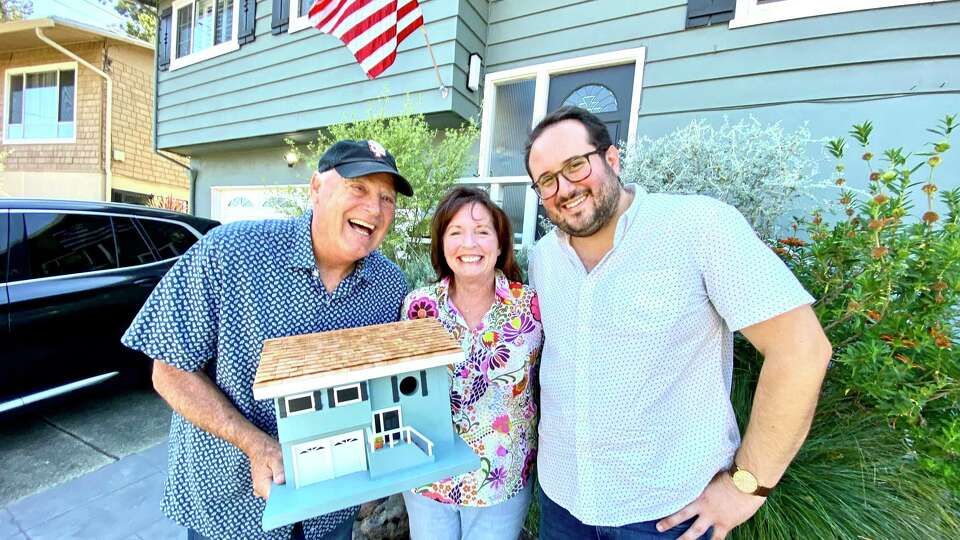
point(72, 277)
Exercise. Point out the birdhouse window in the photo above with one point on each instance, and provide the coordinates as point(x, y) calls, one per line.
point(344, 395)
point(300, 404)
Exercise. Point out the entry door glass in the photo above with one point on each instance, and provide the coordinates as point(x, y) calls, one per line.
point(386, 421)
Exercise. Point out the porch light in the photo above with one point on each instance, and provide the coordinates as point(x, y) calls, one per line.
point(291, 158)
point(473, 72)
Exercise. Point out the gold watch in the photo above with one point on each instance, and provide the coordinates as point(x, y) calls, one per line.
point(747, 483)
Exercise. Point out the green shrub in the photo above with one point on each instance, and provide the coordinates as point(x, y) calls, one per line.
point(429, 158)
point(762, 171)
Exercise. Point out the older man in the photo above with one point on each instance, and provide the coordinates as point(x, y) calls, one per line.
point(245, 282)
point(639, 296)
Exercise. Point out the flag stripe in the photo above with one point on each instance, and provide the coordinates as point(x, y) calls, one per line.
point(371, 29)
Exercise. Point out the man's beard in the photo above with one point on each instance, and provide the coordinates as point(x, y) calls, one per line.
point(606, 198)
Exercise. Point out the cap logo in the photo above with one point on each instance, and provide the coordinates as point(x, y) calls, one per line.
point(377, 149)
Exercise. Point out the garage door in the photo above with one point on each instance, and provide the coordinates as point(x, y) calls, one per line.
point(312, 462)
point(348, 453)
point(256, 202)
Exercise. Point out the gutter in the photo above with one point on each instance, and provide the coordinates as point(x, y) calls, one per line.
point(108, 157)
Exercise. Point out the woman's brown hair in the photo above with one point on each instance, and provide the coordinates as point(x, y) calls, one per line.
point(452, 202)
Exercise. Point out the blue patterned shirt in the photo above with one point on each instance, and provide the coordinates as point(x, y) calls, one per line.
point(241, 284)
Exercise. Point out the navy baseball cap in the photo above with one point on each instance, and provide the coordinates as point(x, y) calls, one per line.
point(360, 158)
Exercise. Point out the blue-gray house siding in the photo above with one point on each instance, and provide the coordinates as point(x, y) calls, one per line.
point(896, 66)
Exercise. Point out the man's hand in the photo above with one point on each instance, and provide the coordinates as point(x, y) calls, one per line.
point(721, 506)
point(266, 464)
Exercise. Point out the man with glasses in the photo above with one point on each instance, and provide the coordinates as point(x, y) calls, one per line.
point(640, 295)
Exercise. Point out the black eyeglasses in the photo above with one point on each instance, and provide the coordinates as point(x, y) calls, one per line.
point(575, 169)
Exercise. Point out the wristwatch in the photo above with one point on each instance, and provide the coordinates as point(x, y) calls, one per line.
point(747, 483)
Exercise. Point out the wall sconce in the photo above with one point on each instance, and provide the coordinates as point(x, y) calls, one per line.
point(291, 158)
point(473, 72)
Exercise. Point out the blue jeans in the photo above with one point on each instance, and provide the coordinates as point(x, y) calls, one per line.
point(432, 520)
point(343, 532)
point(558, 524)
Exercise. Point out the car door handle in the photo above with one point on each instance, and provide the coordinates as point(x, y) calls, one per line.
point(147, 282)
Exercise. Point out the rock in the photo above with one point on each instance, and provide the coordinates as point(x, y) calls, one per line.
point(385, 519)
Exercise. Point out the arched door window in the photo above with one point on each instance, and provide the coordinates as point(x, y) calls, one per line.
point(595, 98)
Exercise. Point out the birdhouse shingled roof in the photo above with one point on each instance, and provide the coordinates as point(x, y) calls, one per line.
point(308, 362)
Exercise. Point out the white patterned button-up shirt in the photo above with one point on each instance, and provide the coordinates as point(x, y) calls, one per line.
point(638, 355)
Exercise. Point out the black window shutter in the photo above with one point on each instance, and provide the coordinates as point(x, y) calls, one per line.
point(330, 402)
point(163, 40)
point(282, 402)
point(423, 382)
point(363, 391)
point(248, 21)
point(396, 389)
point(281, 16)
point(317, 402)
point(707, 12)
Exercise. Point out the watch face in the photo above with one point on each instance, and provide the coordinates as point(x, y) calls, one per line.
point(744, 481)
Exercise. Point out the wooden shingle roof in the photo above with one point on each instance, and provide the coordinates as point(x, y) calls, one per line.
point(308, 362)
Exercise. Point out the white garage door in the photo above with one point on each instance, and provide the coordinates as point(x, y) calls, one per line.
point(256, 202)
point(348, 453)
point(312, 462)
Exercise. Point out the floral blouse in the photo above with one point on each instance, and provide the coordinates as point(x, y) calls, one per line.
point(491, 390)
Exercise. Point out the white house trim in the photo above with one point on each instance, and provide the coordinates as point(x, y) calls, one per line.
point(308, 383)
point(209, 52)
point(295, 22)
point(313, 404)
point(750, 12)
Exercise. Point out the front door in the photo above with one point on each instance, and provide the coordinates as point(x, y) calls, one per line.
point(348, 453)
point(388, 420)
point(312, 462)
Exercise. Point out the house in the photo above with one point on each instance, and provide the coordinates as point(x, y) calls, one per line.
point(646, 67)
point(77, 117)
point(361, 413)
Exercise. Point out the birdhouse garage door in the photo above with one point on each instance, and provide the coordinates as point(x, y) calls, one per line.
point(329, 457)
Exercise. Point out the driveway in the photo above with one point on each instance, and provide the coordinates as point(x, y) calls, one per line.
point(88, 467)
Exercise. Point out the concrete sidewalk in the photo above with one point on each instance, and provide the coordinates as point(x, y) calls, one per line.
point(118, 501)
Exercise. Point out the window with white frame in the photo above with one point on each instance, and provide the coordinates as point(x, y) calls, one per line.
point(751, 12)
point(299, 10)
point(300, 404)
point(41, 104)
point(514, 101)
point(345, 395)
point(202, 29)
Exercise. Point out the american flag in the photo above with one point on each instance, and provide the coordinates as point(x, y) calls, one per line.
point(371, 29)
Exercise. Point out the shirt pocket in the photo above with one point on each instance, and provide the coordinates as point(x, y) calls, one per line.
point(649, 300)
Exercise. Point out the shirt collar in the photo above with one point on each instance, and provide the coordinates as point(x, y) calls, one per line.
point(301, 253)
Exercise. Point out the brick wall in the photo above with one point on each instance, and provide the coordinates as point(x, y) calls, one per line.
point(86, 155)
point(131, 69)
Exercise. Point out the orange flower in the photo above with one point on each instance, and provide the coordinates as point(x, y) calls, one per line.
point(846, 199)
point(940, 339)
point(939, 286)
point(881, 199)
point(853, 306)
point(931, 217)
point(840, 181)
point(929, 188)
point(849, 211)
point(878, 252)
point(874, 176)
point(874, 315)
point(876, 224)
point(908, 343)
point(905, 359)
point(792, 241)
point(886, 337)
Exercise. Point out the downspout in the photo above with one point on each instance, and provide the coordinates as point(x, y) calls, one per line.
point(108, 157)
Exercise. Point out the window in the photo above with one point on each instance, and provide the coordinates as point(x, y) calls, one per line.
point(4, 240)
point(132, 247)
point(203, 29)
point(299, 404)
point(517, 99)
point(751, 12)
point(299, 10)
point(345, 395)
point(40, 104)
point(170, 239)
point(60, 244)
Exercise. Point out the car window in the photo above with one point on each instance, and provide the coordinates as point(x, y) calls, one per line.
point(60, 244)
point(170, 239)
point(132, 247)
